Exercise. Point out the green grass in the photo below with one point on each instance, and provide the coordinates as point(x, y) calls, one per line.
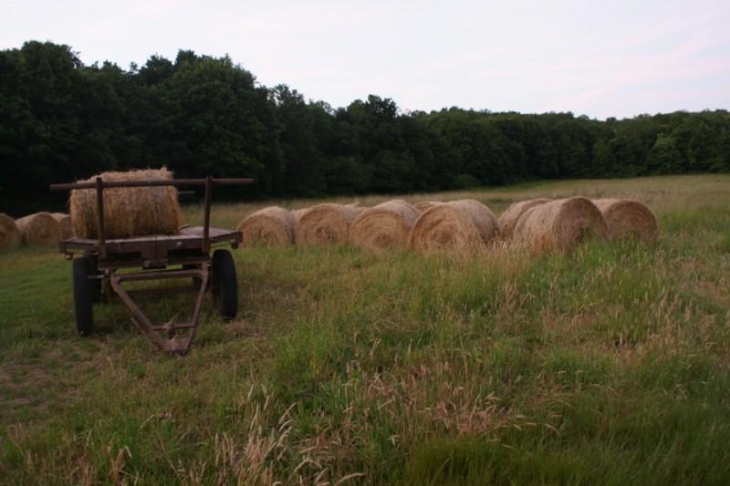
point(610, 365)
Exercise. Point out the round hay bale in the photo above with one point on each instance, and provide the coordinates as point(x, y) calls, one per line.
point(560, 225)
point(626, 218)
point(424, 206)
point(39, 229)
point(456, 225)
point(128, 211)
point(64, 223)
point(508, 219)
point(9, 233)
point(324, 224)
point(386, 225)
point(271, 226)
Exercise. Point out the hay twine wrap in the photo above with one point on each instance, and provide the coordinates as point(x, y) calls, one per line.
point(39, 229)
point(560, 225)
point(508, 219)
point(128, 211)
point(463, 225)
point(64, 223)
point(9, 233)
point(384, 226)
point(325, 224)
point(627, 218)
point(271, 226)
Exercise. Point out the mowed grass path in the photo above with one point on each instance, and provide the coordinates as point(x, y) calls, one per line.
point(607, 366)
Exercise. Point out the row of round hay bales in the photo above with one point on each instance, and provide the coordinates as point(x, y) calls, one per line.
point(463, 225)
point(319, 225)
point(39, 229)
point(562, 224)
point(459, 225)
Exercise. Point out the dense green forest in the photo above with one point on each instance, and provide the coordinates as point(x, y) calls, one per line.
point(61, 120)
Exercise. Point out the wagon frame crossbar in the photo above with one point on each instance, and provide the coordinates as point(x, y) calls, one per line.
point(166, 337)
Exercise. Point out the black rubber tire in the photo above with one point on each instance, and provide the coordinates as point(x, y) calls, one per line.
point(82, 292)
point(94, 284)
point(225, 284)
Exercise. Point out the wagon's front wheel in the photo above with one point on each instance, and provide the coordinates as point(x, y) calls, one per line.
point(83, 296)
point(225, 284)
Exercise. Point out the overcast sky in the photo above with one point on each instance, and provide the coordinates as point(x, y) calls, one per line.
point(597, 58)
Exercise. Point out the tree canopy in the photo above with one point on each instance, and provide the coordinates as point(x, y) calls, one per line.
point(61, 120)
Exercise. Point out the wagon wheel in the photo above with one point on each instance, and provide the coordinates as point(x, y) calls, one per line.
point(83, 295)
point(225, 284)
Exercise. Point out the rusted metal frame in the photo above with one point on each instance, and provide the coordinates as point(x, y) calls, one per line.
point(99, 184)
point(198, 304)
point(139, 263)
point(206, 223)
point(167, 290)
point(158, 274)
point(191, 238)
point(162, 245)
point(174, 343)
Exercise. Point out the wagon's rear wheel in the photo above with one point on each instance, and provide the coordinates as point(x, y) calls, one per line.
point(225, 284)
point(83, 292)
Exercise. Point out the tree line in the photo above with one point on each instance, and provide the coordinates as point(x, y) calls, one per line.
point(61, 120)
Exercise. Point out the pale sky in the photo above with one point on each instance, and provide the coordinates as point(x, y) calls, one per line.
point(597, 58)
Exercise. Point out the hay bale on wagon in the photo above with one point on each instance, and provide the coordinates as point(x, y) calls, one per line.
point(462, 225)
point(560, 225)
point(271, 226)
point(325, 224)
point(128, 211)
point(9, 233)
point(39, 229)
point(508, 219)
point(64, 223)
point(626, 218)
point(386, 225)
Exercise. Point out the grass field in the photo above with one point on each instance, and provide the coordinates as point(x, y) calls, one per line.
point(610, 365)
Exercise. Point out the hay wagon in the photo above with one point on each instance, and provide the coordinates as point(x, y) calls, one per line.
point(102, 265)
